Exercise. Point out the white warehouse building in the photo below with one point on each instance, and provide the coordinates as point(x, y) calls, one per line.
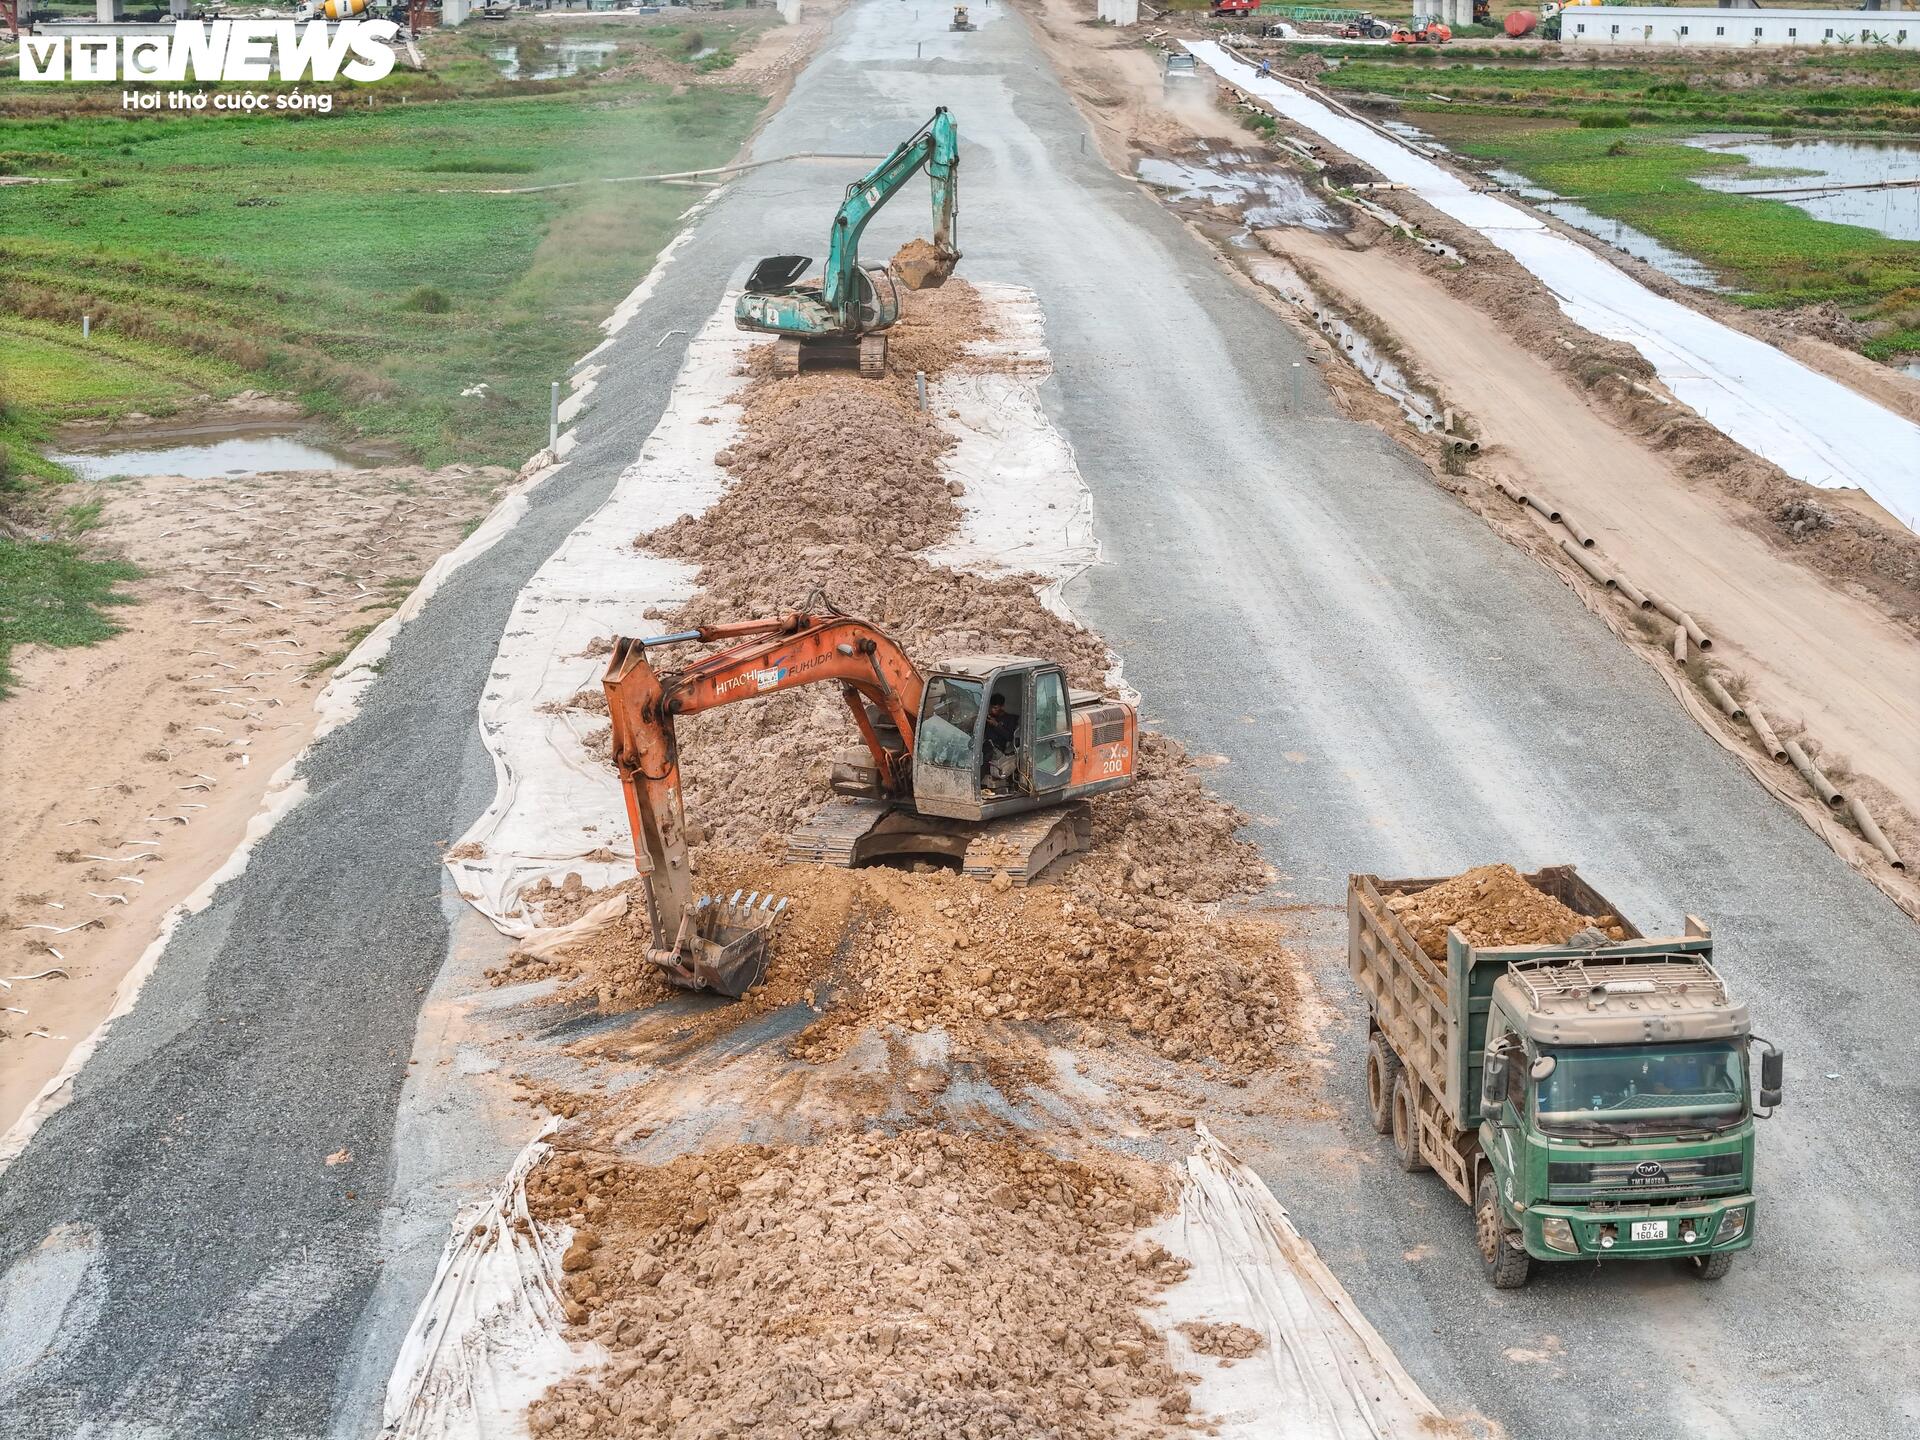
point(1667, 25)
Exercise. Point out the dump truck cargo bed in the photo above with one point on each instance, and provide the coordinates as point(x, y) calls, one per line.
point(1434, 1013)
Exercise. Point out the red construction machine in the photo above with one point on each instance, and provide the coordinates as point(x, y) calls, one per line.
point(984, 763)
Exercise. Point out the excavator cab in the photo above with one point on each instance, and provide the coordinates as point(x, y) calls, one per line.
point(995, 737)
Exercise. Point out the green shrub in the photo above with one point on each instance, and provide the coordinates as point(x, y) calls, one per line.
point(427, 300)
point(1604, 122)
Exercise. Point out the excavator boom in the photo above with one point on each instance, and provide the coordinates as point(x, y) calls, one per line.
point(843, 317)
point(694, 937)
point(935, 147)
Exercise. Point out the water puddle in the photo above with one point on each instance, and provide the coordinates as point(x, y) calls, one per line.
point(202, 456)
point(1265, 194)
point(558, 61)
point(1637, 243)
point(1621, 236)
point(1385, 376)
point(1793, 164)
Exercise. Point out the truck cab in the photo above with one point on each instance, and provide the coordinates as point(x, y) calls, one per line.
point(1616, 1114)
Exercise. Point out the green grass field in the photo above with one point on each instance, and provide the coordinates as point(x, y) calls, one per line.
point(1612, 137)
point(1875, 90)
point(352, 260)
point(1775, 253)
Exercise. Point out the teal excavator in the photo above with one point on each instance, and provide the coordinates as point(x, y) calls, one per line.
point(842, 318)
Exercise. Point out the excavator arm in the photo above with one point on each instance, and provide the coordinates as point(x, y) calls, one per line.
point(704, 943)
point(935, 148)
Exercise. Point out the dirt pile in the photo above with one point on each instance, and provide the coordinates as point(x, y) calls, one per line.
point(1492, 905)
point(922, 1284)
point(885, 948)
point(1226, 1339)
point(1165, 837)
point(825, 908)
point(942, 950)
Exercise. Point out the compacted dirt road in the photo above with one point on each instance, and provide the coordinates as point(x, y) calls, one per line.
point(1392, 687)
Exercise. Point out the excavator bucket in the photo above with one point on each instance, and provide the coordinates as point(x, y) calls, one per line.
point(726, 950)
point(922, 265)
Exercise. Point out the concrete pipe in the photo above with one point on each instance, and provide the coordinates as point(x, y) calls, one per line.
point(1545, 509)
point(1679, 646)
point(1768, 739)
point(1811, 773)
point(1587, 563)
point(1586, 540)
point(1720, 696)
point(1517, 496)
point(1458, 447)
point(1680, 617)
point(1634, 593)
point(1875, 838)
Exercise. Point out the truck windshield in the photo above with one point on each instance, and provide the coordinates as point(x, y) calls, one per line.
point(1644, 1088)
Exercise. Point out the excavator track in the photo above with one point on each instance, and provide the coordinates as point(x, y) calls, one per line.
point(849, 832)
point(873, 356)
point(1021, 847)
point(786, 357)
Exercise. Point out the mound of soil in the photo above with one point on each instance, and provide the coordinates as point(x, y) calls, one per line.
point(1492, 905)
point(922, 1284)
point(943, 950)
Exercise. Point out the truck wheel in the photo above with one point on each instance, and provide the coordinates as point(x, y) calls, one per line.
point(1508, 1267)
point(1406, 1124)
point(1711, 1267)
point(1383, 1071)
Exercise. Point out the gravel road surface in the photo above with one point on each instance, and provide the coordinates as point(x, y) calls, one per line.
point(1395, 691)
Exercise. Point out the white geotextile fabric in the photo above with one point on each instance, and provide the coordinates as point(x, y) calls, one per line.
point(1023, 505)
point(1324, 1373)
point(489, 1337)
point(554, 802)
point(1814, 428)
point(1024, 509)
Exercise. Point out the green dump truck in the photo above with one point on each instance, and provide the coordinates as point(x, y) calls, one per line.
point(1586, 1099)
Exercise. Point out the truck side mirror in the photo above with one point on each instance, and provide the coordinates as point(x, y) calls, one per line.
point(1493, 1083)
point(1773, 1074)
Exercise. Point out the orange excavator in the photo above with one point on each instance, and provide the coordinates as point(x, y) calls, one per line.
point(985, 764)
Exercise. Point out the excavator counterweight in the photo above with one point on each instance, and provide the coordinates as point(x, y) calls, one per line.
point(984, 765)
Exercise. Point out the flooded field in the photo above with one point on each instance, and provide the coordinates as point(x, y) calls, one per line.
point(1617, 233)
point(203, 455)
point(535, 60)
point(1786, 165)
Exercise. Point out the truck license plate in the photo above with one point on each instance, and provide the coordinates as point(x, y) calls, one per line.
point(1649, 1229)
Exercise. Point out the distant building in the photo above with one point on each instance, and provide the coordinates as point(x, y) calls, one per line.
point(1621, 25)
